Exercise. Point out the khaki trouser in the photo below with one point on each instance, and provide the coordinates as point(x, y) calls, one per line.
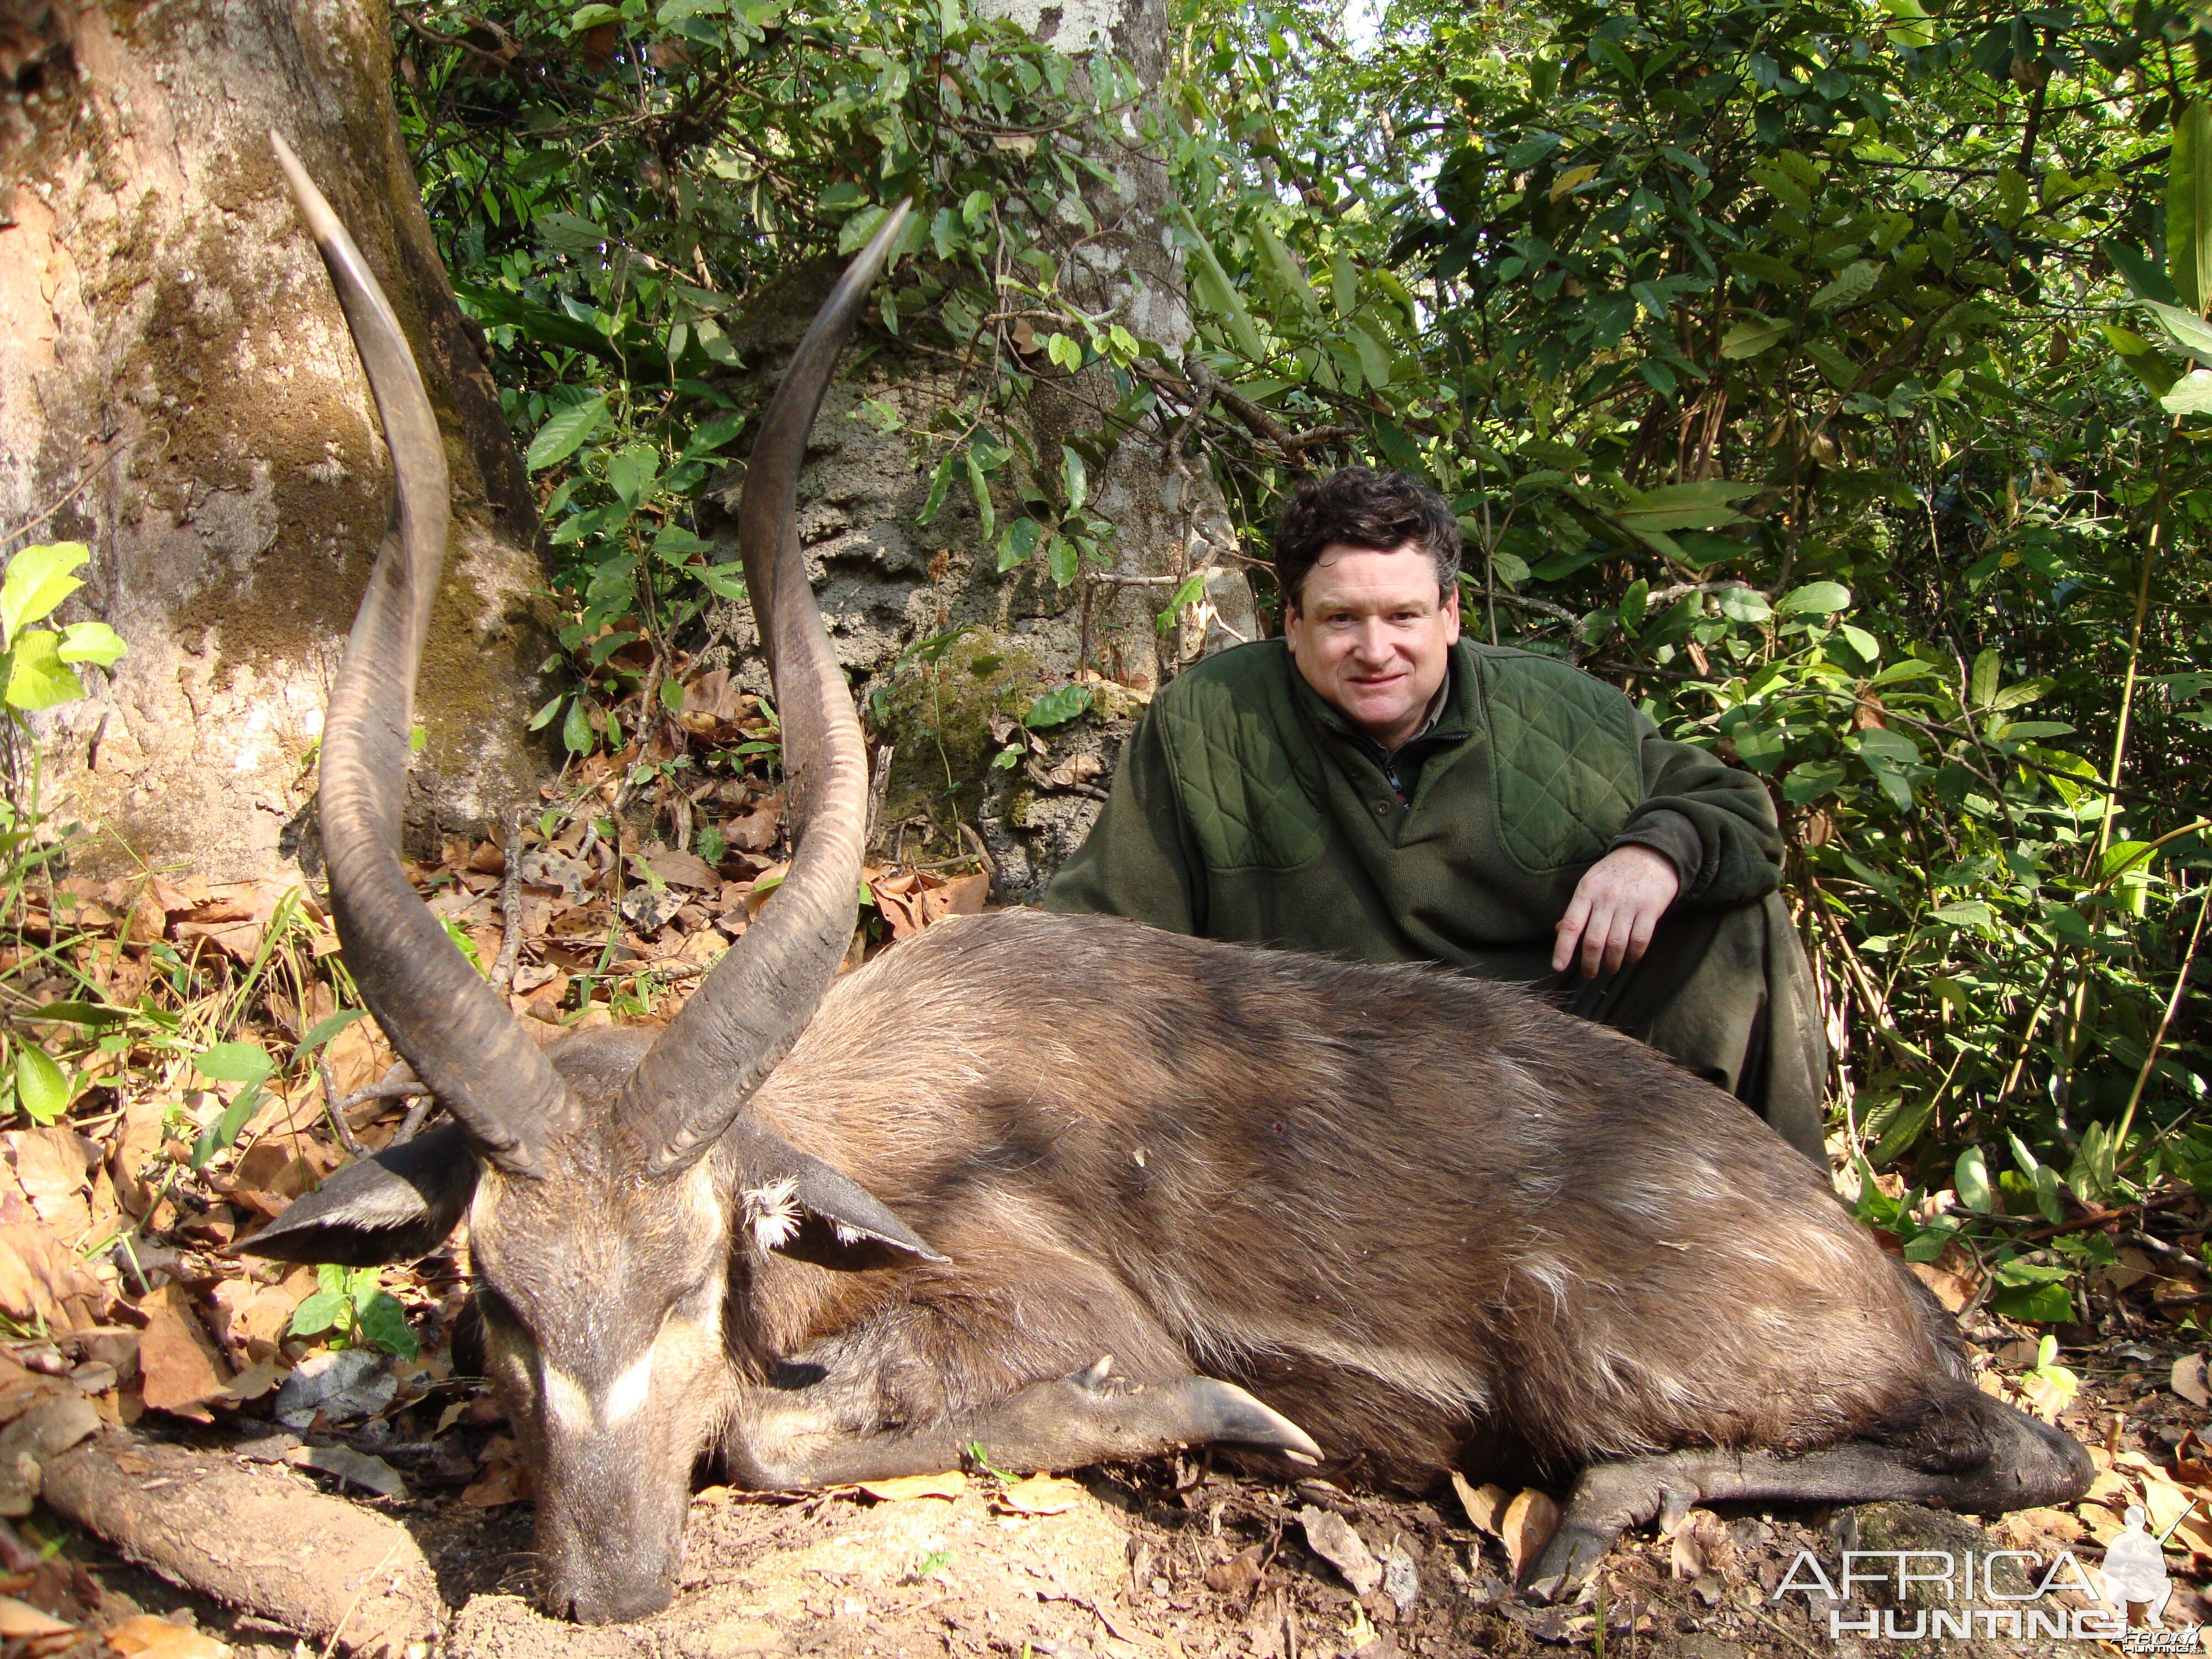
point(1729, 994)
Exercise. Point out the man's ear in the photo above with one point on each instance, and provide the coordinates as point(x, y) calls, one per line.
point(393, 1206)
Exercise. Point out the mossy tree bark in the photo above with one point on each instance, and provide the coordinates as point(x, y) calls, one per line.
point(178, 392)
point(1169, 516)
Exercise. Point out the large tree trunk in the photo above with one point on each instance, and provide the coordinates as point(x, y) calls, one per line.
point(178, 390)
point(1169, 515)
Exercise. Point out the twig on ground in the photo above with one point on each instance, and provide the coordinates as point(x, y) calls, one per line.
point(990, 864)
point(337, 1116)
point(2098, 1217)
point(876, 786)
point(400, 1082)
point(412, 1125)
point(346, 1617)
point(510, 908)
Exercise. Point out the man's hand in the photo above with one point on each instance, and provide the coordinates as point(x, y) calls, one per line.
point(1617, 903)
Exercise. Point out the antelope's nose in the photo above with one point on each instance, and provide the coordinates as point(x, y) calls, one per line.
point(618, 1604)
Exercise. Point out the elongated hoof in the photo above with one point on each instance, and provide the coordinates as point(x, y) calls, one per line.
point(1567, 1562)
point(1222, 1410)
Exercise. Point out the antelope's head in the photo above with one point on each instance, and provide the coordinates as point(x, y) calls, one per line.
point(596, 1174)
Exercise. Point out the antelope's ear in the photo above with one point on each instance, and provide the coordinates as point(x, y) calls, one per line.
point(393, 1206)
point(811, 1211)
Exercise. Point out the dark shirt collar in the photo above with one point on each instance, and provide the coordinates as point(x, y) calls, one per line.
point(1450, 721)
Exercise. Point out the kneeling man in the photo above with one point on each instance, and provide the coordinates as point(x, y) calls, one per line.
point(1373, 786)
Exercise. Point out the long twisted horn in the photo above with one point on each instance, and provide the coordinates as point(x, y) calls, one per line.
point(751, 1009)
point(457, 1034)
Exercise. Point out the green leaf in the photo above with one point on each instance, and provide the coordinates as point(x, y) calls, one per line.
point(91, 642)
point(576, 730)
point(980, 487)
point(319, 1312)
point(37, 579)
point(1060, 555)
point(1867, 648)
point(1850, 285)
point(1057, 708)
point(2017, 695)
point(1190, 592)
point(856, 230)
point(382, 1323)
point(1374, 362)
point(2189, 395)
point(564, 430)
point(225, 1129)
point(1211, 285)
point(2187, 330)
point(328, 1027)
point(1987, 667)
point(1817, 598)
point(1972, 1180)
point(1742, 604)
point(726, 580)
point(1073, 478)
point(42, 1089)
point(631, 472)
point(2038, 1303)
point(37, 677)
point(1967, 913)
point(2046, 1194)
point(2189, 207)
point(1632, 603)
point(1019, 542)
point(1289, 275)
point(1754, 335)
point(1686, 506)
point(233, 1062)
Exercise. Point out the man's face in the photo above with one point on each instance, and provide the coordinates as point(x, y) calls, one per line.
point(1373, 635)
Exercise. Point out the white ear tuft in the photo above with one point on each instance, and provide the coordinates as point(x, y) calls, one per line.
point(773, 1213)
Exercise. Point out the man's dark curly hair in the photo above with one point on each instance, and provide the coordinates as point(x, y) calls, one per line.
point(1359, 506)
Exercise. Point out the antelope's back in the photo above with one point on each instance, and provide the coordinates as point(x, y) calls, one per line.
point(1410, 1205)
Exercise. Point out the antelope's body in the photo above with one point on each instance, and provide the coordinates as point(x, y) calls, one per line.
point(1389, 1219)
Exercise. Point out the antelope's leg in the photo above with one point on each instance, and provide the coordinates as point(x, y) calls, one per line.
point(1063, 1424)
point(1995, 1458)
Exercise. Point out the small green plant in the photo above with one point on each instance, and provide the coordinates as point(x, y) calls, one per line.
point(39, 662)
point(354, 1309)
point(37, 671)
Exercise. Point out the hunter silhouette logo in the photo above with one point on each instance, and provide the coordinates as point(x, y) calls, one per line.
point(2134, 1567)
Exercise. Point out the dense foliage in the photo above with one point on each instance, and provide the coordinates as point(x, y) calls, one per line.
point(1820, 372)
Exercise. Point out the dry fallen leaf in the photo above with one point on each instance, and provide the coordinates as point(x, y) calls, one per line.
point(41, 1280)
point(501, 1482)
point(176, 1358)
point(148, 1637)
point(2110, 1487)
point(1953, 1275)
point(1240, 1575)
point(1700, 1546)
point(950, 1483)
point(20, 1621)
point(370, 1474)
point(54, 1169)
point(1040, 1494)
point(2188, 1380)
point(1530, 1520)
point(1331, 1538)
point(1485, 1505)
point(2166, 1501)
